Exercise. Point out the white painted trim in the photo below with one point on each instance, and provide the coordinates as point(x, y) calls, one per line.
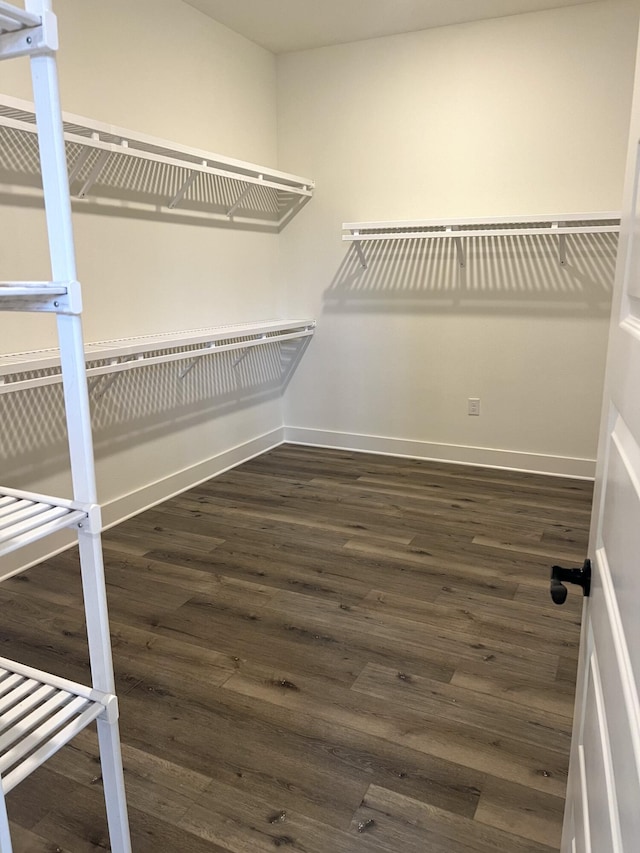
point(625, 668)
point(485, 457)
point(124, 507)
point(586, 824)
point(607, 758)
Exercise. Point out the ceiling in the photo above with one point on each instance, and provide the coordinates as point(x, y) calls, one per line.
point(285, 25)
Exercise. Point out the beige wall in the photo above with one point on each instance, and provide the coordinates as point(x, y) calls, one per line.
point(519, 115)
point(162, 68)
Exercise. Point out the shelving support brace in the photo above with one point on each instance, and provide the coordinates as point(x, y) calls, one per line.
point(33, 32)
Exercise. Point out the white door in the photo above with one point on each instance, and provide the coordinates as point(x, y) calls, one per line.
point(603, 793)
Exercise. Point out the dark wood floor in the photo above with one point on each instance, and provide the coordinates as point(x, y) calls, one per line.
point(323, 652)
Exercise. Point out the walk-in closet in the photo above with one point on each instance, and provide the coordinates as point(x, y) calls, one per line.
point(319, 444)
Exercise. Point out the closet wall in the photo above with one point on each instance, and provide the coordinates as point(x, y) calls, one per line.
point(162, 68)
point(520, 115)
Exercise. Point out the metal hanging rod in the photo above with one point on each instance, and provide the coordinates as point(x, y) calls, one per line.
point(131, 353)
point(458, 229)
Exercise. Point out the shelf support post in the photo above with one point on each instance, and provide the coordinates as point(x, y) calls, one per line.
point(55, 182)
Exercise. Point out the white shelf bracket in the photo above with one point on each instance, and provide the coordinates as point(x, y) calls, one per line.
point(241, 358)
point(239, 200)
point(94, 173)
point(562, 249)
point(184, 189)
point(363, 260)
point(112, 377)
point(459, 246)
point(106, 384)
point(185, 371)
point(562, 243)
point(94, 384)
point(81, 159)
point(245, 352)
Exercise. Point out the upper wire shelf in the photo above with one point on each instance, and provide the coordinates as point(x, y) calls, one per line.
point(117, 164)
point(559, 226)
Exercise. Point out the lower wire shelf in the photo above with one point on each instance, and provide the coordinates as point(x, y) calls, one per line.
point(26, 517)
point(39, 714)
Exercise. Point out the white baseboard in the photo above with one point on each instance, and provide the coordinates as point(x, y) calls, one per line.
point(486, 457)
point(124, 507)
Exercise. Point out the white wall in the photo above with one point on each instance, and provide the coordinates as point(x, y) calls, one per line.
point(162, 68)
point(519, 115)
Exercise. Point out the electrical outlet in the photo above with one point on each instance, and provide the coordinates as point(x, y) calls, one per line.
point(473, 406)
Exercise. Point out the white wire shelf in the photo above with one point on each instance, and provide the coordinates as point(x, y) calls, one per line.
point(49, 296)
point(116, 356)
point(39, 714)
point(13, 19)
point(115, 163)
point(26, 517)
point(23, 33)
point(559, 226)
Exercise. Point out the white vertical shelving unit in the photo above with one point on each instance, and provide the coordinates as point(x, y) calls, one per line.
point(39, 712)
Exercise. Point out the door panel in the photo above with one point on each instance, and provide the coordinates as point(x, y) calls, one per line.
point(603, 790)
point(620, 712)
point(620, 533)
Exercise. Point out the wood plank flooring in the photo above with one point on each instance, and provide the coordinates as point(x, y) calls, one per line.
point(323, 652)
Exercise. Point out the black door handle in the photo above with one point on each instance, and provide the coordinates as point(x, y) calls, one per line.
point(581, 577)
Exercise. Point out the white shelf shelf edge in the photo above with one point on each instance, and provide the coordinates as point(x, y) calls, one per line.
point(95, 153)
point(545, 221)
point(131, 353)
point(49, 296)
point(26, 517)
point(557, 225)
point(39, 714)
